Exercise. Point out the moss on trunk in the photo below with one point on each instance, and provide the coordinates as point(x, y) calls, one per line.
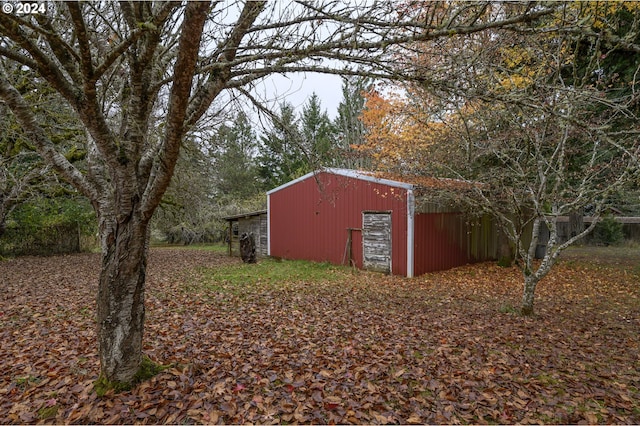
point(147, 370)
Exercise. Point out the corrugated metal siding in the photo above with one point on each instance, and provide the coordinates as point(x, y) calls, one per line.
point(446, 240)
point(425, 206)
point(309, 219)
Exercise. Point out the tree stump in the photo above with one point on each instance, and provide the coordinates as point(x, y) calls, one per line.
point(248, 248)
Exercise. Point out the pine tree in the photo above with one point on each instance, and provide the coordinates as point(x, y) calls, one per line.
point(237, 173)
point(282, 157)
point(319, 134)
point(349, 126)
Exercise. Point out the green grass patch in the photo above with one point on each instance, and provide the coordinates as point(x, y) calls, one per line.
point(23, 382)
point(47, 412)
point(147, 370)
point(547, 380)
point(216, 248)
point(508, 308)
point(274, 273)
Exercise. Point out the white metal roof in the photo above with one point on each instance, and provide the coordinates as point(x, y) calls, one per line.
point(356, 174)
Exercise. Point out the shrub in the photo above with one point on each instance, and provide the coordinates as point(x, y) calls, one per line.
point(608, 231)
point(48, 225)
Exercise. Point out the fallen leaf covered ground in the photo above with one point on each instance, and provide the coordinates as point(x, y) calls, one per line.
point(338, 347)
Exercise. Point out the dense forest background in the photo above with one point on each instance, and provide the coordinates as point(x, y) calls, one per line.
point(224, 170)
point(433, 123)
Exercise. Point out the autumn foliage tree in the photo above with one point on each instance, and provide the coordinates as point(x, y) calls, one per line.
point(535, 116)
point(139, 76)
point(398, 137)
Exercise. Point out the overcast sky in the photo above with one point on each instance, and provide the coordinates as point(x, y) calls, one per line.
point(297, 88)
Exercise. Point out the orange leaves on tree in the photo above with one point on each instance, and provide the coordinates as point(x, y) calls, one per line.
point(398, 135)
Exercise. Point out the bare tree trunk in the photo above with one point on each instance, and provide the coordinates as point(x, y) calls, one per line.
point(530, 282)
point(120, 303)
point(533, 275)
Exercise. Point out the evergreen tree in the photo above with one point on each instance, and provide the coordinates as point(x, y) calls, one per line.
point(282, 157)
point(237, 173)
point(349, 126)
point(187, 212)
point(319, 134)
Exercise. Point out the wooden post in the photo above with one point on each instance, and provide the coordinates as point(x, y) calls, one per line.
point(348, 251)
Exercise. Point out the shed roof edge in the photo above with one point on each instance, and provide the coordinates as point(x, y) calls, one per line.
point(245, 215)
point(347, 173)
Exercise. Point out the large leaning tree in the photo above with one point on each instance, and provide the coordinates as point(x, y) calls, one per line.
point(141, 75)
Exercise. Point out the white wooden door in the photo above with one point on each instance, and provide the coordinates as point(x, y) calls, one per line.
point(376, 241)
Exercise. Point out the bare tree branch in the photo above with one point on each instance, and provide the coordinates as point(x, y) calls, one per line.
point(219, 75)
point(188, 48)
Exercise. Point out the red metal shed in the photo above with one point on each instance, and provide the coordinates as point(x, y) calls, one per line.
point(346, 216)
